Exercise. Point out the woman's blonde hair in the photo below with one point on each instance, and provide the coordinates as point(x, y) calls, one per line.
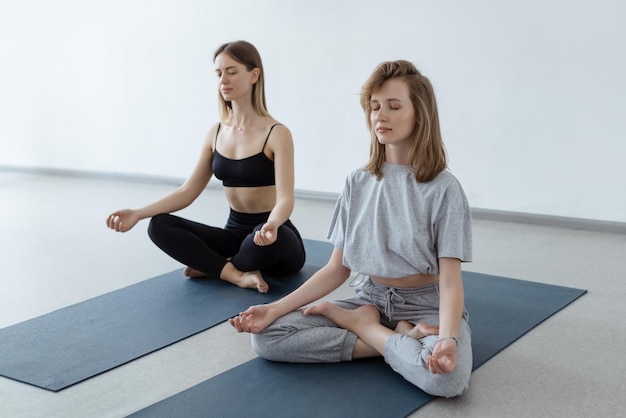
point(244, 53)
point(427, 154)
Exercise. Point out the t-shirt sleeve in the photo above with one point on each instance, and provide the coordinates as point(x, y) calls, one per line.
point(453, 232)
point(337, 229)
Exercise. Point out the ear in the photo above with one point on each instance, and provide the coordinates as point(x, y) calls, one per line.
point(255, 75)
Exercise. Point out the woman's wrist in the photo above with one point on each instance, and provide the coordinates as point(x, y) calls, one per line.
point(456, 341)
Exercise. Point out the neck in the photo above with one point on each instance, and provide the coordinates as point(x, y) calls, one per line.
point(242, 117)
point(240, 124)
point(396, 155)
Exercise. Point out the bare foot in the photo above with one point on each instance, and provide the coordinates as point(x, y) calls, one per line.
point(193, 273)
point(418, 331)
point(253, 280)
point(349, 319)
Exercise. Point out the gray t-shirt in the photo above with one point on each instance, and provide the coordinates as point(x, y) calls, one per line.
point(396, 226)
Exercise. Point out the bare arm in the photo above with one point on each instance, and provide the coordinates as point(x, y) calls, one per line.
point(451, 297)
point(281, 144)
point(328, 278)
point(124, 219)
point(324, 281)
point(451, 306)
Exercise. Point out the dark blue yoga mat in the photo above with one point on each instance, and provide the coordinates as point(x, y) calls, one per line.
point(67, 346)
point(501, 311)
point(317, 252)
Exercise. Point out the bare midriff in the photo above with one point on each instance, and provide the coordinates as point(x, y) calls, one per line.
point(414, 280)
point(251, 199)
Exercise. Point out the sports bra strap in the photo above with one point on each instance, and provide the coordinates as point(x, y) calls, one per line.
point(219, 125)
point(268, 136)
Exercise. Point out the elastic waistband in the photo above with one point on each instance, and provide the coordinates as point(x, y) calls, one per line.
point(241, 220)
point(427, 288)
point(249, 217)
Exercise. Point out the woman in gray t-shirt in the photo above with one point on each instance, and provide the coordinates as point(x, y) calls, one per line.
point(404, 223)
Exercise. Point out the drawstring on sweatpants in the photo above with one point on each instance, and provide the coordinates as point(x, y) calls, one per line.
point(391, 299)
point(357, 280)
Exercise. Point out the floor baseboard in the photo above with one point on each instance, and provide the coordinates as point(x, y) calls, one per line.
point(477, 213)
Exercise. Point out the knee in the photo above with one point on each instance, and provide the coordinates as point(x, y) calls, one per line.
point(446, 386)
point(157, 225)
point(275, 343)
point(262, 345)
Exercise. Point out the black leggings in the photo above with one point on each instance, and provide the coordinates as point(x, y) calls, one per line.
point(206, 248)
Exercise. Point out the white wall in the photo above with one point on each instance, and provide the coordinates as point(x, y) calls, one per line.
point(531, 93)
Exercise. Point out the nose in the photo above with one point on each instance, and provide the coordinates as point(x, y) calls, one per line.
point(224, 79)
point(380, 116)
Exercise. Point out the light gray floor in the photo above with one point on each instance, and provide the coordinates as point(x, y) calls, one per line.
point(55, 251)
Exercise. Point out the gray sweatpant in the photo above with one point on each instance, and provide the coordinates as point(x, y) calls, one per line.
point(315, 339)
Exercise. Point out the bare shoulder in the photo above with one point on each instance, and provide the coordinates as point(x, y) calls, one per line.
point(209, 138)
point(280, 129)
point(279, 136)
point(213, 130)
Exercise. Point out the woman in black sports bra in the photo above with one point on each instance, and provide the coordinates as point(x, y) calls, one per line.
point(253, 156)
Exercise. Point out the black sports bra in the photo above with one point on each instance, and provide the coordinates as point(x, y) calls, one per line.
point(254, 171)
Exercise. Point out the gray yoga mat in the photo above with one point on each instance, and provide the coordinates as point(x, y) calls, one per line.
point(72, 344)
point(501, 311)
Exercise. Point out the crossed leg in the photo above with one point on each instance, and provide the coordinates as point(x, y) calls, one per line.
point(244, 279)
point(364, 322)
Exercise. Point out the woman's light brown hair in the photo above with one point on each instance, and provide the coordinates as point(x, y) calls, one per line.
point(427, 154)
point(244, 53)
